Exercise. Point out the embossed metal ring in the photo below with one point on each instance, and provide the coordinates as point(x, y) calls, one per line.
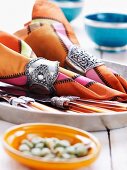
point(80, 60)
point(59, 102)
point(42, 74)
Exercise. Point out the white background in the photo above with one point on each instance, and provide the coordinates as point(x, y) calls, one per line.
point(14, 13)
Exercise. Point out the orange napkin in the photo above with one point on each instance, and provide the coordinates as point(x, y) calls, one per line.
point(50, 35)
point(16, 62)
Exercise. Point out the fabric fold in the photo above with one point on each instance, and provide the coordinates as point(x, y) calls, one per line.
point(12, 66)
point(44, 9)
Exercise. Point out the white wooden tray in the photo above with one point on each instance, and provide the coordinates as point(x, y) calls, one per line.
point(90, 122)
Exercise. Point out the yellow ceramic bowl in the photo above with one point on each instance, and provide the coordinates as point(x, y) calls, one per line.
point(15, 135)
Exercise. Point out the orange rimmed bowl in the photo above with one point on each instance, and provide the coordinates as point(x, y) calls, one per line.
point(15, 135)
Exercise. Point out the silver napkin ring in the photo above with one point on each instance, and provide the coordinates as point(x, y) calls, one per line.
point(80, 60)
point(59, 102)
point(42, 74)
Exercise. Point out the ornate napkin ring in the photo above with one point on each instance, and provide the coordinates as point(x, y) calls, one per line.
point(41, 75)
point(79, 59)
point(59, 102)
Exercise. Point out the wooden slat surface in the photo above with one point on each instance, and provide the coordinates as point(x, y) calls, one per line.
point(119, 149)
point(120, 57)
point(101, 164)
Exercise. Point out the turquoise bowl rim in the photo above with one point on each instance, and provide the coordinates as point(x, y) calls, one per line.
point(101, 24)
point(70, 4)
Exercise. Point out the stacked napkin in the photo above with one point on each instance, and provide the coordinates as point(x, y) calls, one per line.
point(50, 35)
point(20, 66)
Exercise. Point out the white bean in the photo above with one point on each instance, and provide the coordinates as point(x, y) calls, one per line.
point(27, 142)
point(36, 151)
point(37, 140)
point(81, 150)
point(70, 150)
point(24, 147)
point(39, 145)
point(45, 151)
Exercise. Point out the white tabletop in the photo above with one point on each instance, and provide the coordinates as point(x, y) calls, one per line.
point(114, 142)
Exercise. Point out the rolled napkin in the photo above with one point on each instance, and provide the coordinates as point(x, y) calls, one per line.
point(50, 35)
point(44, 76)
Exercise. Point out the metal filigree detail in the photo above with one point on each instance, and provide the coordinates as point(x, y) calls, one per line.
point(42, 74)
point(59, 102)
point(80, 60)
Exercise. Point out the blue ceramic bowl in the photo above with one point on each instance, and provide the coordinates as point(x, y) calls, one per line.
point(70, 8)
point(107, 30)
